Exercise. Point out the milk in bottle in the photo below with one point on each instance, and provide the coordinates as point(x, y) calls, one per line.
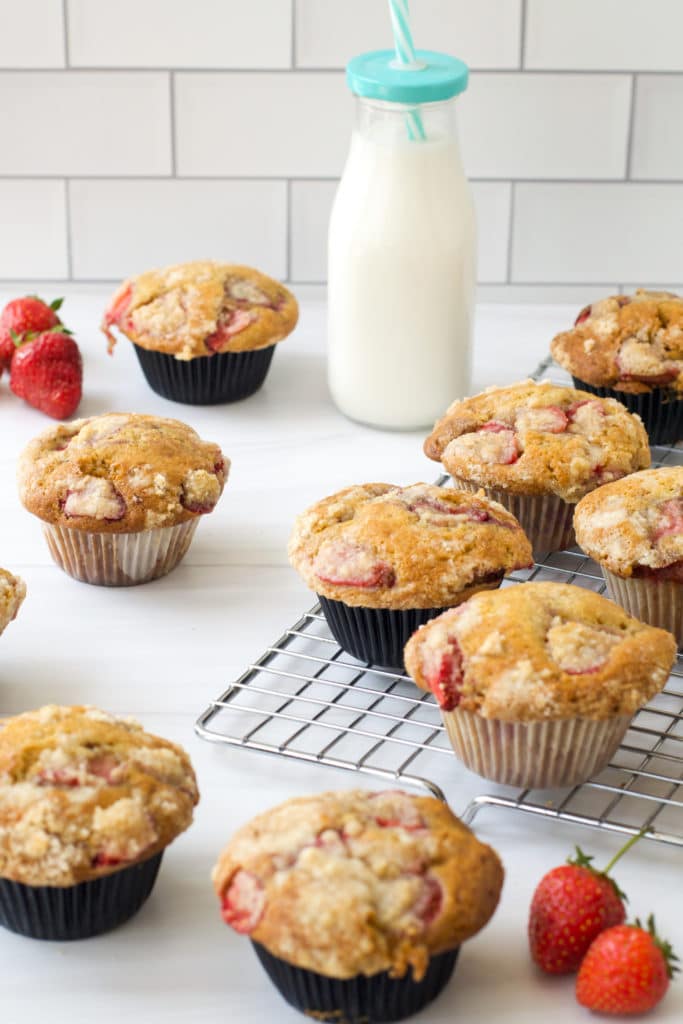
point(402, 244)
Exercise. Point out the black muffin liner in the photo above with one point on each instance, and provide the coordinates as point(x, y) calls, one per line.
point(206, 380)
point(77, 911)
point(360, 1000)
point(661, 410)
point(377, 635)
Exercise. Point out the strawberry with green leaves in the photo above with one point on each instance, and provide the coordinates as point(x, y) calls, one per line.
point(47, 372)
point(627, 970)
point(21, 318)
point(572, 904)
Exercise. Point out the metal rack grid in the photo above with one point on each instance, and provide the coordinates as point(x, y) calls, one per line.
point(305, 698)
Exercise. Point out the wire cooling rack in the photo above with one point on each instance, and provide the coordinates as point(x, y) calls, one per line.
point(305, 698)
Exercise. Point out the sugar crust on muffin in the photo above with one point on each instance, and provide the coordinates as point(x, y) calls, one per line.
point(380, 546)
point(355, 882)
point(120, 473)
point(539, 438)
point(635, 524)
point(12, 594)
point(201, 308)
point(633, 343)
point(83, 793)
point(540, 651)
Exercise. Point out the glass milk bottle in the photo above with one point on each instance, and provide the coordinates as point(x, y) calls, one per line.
point(402, 247)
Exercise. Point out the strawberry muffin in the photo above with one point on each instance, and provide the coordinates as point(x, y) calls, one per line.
point(204, 332)
point(630, 347)
point(384, 559)
point(88, 804)
point(537, 683)
point(633, 528)
point(12, 594)
point(357, 902)
point(120, 495)
point(538, 449)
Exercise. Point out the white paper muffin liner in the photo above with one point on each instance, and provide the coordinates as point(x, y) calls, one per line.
point(657, 602)
point(534, 755)
point(547, 520)
point(119, 559)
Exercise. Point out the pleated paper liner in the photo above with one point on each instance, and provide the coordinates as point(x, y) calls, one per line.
point(534, 755)
point(77, 911)
point(119, 559)
point(377, 635)
point(661, 410)
point(206, 380)
point(360, 1000)
point(657, 602)
point(546, 519)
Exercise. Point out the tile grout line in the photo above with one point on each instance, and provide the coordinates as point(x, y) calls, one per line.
point(117, 69)
point(69, 237)
point(522, 33)
point(171, 100)
point(65, 29)
point(292, 55)
point(631, 123)
point(511, 228)
point(474, 179)
point(288, 208)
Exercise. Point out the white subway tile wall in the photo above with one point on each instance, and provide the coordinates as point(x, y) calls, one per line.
point(150, 131)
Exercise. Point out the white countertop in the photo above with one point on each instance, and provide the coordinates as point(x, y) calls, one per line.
point(162, 651)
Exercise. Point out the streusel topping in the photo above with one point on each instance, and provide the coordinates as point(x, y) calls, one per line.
point(631, 343)
point(349, 883)
point(635, 526)
point(380, 546)
point(83, 793)
point(12, 594)
point(200, 308)
point(121, 473)
point(530, 438)
point(540, 651)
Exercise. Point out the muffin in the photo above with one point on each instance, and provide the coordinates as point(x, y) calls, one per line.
point(120, 495)
point(204, 332)
point(537, 683)
point(630, 347)
point(384, 559)
point(88, 803)
point(633, 528)
point(537, 449)
point(12, 594)
point(357, 902)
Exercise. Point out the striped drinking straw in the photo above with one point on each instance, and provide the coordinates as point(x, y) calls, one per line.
point(406, 57)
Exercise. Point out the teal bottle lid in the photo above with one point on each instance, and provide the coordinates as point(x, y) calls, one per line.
point(378, 75)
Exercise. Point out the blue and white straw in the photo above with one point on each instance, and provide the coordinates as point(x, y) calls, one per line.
point(406, 57)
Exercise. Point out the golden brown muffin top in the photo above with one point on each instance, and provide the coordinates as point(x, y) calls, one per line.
point(355, 882)
point(635, 525)
point(201, 308)
point(530, 438)
point(120, 473)
point(540, 651)
point(12, 594)
point(381, 546)
point(83, 794)
point(628, 342)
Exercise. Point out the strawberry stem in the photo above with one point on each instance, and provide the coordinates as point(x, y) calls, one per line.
point(625, 848)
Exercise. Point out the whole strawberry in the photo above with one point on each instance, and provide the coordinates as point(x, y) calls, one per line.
point(572, 904)
point(626, 970)
point(48, 373)
point(21, 317)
